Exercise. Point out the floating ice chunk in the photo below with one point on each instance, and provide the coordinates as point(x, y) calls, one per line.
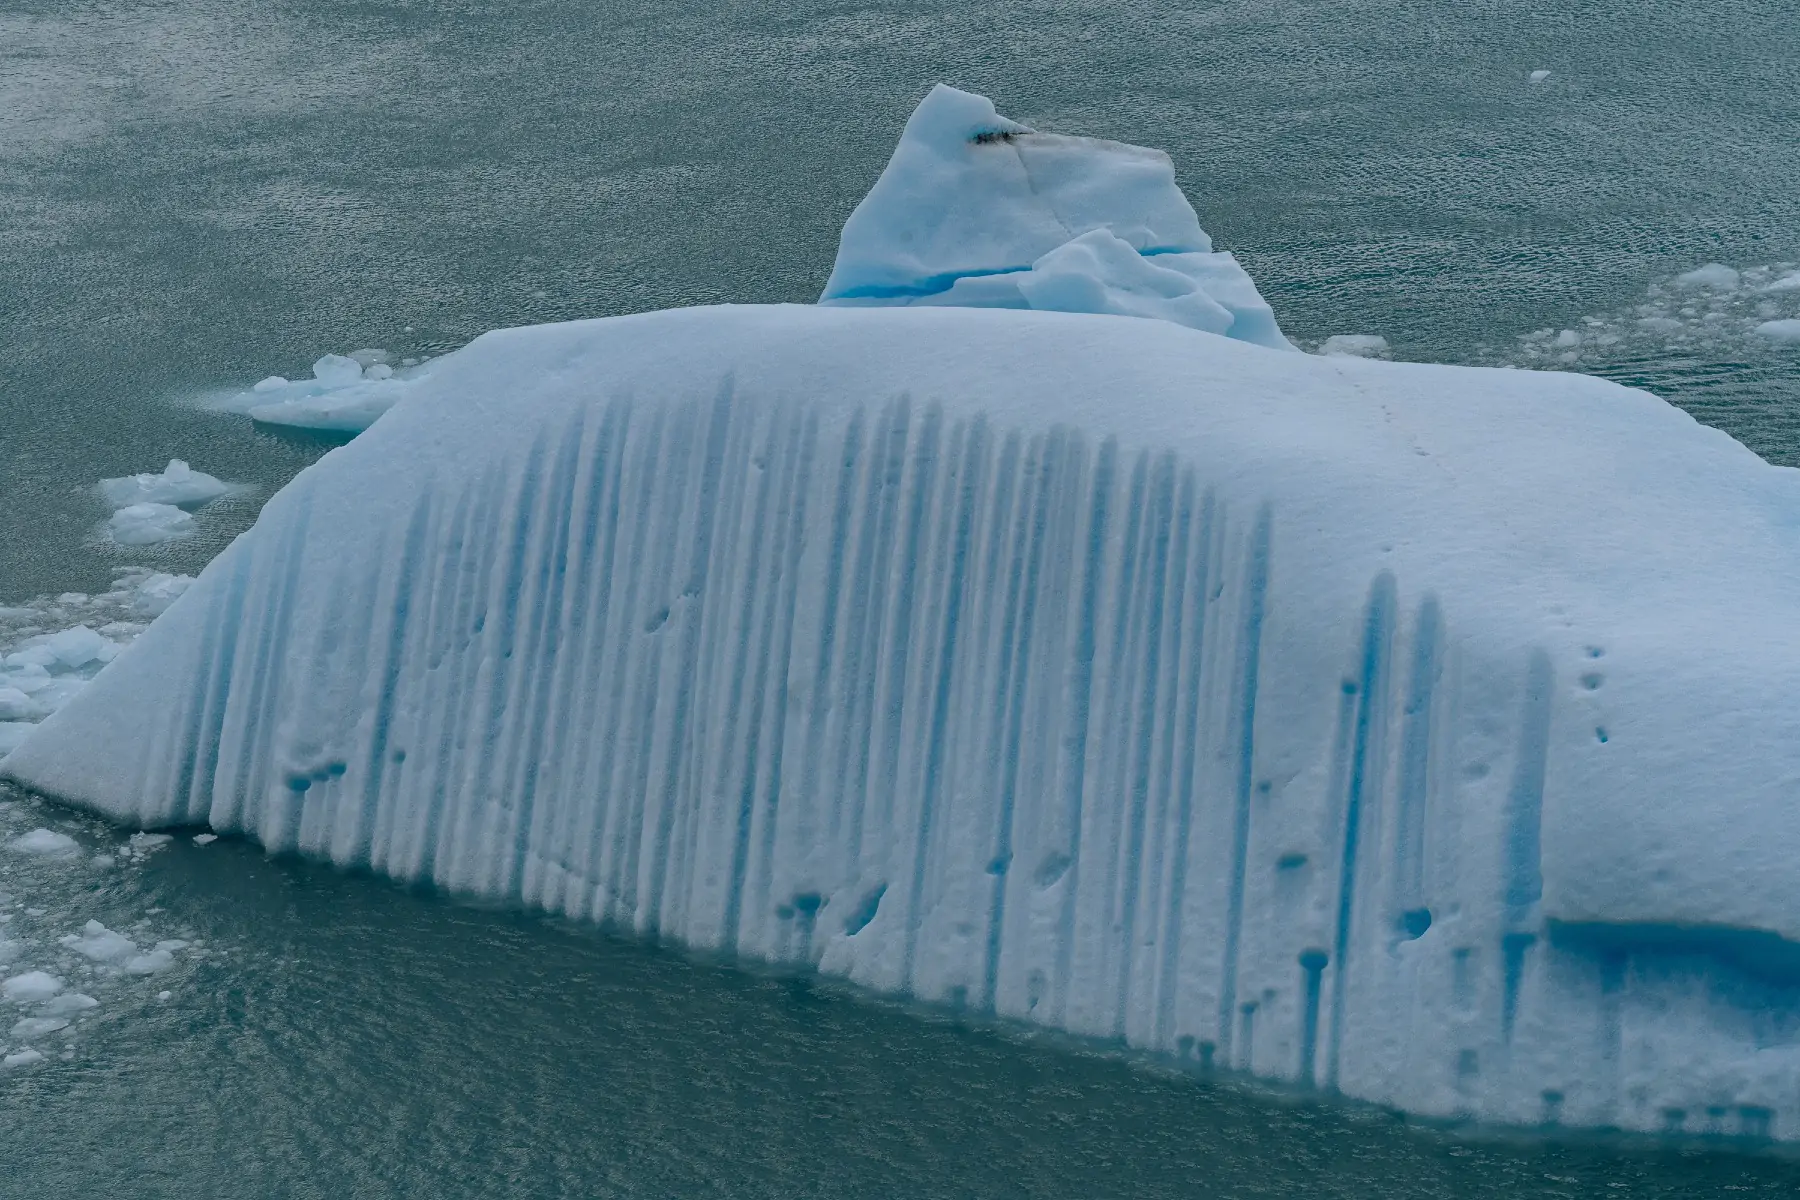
point(75, 647)
point(1780, 331)
point(16, 706)
point(1355, 345)
point(149, 962)
point(205, 839)
point(10, 949)
point(337, 370)
point(178, 484)
point(1787, 283)
point(346, 393)
point(101, 944)
point(22, 1058)
point(164, 995)
point(36, 1027)
point(153, 595)
point(147, 524)
point(1716, 276)
point(975, 210)
point(46, 843)
point(31, 987)
point(67, 1005)
point(1539, 76)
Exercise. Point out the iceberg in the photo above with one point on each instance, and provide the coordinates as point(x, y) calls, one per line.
point(975, 210)
point(1423, 734)
point(1413, 731)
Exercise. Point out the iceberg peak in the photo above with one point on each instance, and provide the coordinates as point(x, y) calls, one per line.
point(977, 210)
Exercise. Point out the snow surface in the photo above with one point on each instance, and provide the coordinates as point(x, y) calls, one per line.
point(1417, 731)
point(976, 210)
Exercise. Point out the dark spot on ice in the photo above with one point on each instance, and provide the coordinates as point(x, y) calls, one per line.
point(1291, 862)
point(999, 865)
point(1476, 770)
point(808, 903)
point(1600, 736)
point(337, 768)
point(1415, 921)
point(1595, 652)
point(1593, 681)
point(784, 911)
point(298, 783)
point(657, 620)
point(1349, 687)
point(988, 137)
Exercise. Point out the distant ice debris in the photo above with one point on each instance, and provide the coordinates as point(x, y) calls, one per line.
point(1712, 309)
point(205, 839)
point(1355, 345)
point(177, 484)
point(1539, 76)
point(148, 524)
point(35, 1027)
point(97, 942)
point(346, 393)
point(975, 210)
point(22, 1058)
point(67, 1005)
point(50, 647)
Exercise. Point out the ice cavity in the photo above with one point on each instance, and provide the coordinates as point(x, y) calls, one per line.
point(52, 646)
point(975, 210)
point(346, 393)
point(1418, 732)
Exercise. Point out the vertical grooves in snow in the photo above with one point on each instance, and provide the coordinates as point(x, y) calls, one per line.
point(954, 709)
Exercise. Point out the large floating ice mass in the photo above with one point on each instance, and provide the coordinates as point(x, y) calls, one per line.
point(1418, 732)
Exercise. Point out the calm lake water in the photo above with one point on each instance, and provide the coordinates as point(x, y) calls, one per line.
point(194, 196)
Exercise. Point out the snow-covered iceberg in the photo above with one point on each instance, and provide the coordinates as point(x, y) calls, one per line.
point(1426, 733)
point(978, 211)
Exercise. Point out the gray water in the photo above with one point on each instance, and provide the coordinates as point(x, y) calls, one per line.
point(194, 196)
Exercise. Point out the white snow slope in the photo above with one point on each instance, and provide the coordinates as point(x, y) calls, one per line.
point(1426, 733)
point(975, 210)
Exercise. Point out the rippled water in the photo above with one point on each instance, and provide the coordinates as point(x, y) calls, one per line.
point(195, 196)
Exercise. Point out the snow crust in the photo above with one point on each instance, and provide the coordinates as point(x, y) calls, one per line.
point(1415, 731)
point(976, 210)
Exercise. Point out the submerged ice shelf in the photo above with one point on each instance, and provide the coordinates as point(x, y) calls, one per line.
point(1340, 721)
point(1417, 732)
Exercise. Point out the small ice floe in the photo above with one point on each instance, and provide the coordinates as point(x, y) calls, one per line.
point(1354, 345)
point(22, 1058)
point(102, 945)
point(1716, 276)
point(205, 839)
point(31, 987)
point(148, 524)
point(45, 843)
point(1539, 76)
point(346, 393)
point(67, 1005)
point(36, 1027)
point(1780, 331)
point(177, 484)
